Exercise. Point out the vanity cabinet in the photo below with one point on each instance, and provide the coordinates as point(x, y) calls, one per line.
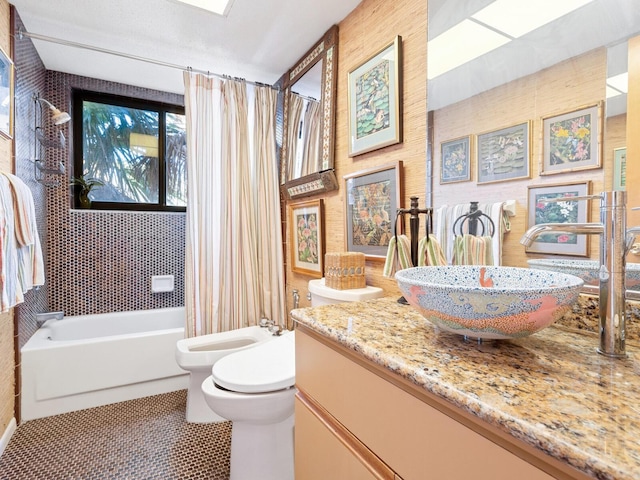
point(355, 420)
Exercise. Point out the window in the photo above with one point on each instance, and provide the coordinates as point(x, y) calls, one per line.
point(135, 148)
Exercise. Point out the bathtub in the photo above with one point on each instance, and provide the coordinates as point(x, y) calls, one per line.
point(92, 360)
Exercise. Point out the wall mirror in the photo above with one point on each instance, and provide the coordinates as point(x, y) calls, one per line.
point(519, 61)
point(306, 156)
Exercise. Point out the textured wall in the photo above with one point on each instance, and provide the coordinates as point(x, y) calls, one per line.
point(371, 26)
point(102, 261)
point(7, 360)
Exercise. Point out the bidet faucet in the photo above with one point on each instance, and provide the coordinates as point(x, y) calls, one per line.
point(43, 317)
point(614, 245)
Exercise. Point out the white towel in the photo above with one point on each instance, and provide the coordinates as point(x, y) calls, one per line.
point(22, 261)
point(447, 215)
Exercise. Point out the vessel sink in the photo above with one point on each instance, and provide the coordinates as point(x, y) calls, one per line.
point(489, 302)
point(587, 270)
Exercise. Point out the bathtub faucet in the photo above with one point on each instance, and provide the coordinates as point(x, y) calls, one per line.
point(43, 317)
point(615, 242)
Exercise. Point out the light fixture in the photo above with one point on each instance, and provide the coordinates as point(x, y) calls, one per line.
point(460, 44)
point(57, 116)
point(519, 17)
point(219, 7)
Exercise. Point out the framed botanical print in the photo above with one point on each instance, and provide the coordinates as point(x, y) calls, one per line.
point(544, 207)
point(504, 154)
point(375, 101)
point(455, 160)
point(373, 198)
point(571, 141)
point(306, 236)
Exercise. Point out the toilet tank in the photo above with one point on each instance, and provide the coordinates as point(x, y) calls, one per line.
point(323, 295)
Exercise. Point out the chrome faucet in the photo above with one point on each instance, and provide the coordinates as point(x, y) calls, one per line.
point(43, 317)
point(615, 240)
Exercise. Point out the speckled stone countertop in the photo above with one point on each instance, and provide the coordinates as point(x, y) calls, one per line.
point(551, 390)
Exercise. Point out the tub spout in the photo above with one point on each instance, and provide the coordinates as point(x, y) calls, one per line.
point(43, 317)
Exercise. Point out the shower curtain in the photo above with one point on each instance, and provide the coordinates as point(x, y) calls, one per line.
point(234, 262)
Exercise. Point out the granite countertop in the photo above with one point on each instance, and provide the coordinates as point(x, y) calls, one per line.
point(551, 390)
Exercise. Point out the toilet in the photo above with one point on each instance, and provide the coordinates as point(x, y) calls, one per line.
point(198, 354)
point(255, 389)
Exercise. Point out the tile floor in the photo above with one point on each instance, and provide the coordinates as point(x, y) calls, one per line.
point(141, 439)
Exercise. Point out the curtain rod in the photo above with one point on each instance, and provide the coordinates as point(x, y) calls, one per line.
point(68, 43)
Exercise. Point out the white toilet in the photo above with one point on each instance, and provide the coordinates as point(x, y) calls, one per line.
point(198, 354)
point(255, 389)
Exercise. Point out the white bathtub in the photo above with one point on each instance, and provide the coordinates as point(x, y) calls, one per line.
point(91, 360)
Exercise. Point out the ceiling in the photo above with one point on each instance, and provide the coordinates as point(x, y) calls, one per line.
point(257, 40)
point(599, 23)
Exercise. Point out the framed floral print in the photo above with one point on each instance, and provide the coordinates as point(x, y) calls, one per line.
point(544, 207)
point(375, 101)
point(373, 198)
point(571, 141)
point(504, 154)
point(455, 160)
point(306, 237)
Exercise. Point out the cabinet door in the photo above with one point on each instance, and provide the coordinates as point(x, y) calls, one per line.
point(324, 449)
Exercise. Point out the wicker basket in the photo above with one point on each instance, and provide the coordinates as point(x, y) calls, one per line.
point(344, 271)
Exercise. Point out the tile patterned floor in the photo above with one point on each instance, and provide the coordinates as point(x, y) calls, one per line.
point(141, 439)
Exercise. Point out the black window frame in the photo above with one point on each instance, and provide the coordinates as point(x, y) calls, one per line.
point(78, 97)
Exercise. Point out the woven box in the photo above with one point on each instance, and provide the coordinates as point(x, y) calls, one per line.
point(344, 271)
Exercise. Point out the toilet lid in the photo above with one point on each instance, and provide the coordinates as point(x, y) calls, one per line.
point(268, 367)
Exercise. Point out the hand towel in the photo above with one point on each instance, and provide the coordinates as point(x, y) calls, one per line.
point(398, 255)
point(473, 250)
point(430, 252)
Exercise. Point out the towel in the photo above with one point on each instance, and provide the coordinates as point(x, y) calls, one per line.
point(430, 252)
point(22, 263)
point(446, 216)
point(398, 255)
point(473, 250)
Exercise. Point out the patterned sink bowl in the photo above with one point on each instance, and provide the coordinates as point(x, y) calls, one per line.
point(489, 302)
point(587, 270)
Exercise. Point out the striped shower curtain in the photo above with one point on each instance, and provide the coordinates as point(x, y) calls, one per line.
point(234, 263)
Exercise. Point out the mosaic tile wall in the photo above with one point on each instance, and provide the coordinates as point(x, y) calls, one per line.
point(101, 261)
point(29, 79)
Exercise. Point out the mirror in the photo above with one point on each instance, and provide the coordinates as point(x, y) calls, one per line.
point(528, 73)
point(306, 156)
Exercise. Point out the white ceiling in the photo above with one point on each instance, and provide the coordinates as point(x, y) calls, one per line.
point(259, 40)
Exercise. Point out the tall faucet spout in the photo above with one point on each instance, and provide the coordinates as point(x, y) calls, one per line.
point(570, 228)
point(615, 241)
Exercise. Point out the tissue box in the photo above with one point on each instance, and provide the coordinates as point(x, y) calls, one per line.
point(344, 271)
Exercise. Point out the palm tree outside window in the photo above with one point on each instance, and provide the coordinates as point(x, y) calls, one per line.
point(136, 148)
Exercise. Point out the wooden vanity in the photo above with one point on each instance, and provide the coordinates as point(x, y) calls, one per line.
point(383, 395)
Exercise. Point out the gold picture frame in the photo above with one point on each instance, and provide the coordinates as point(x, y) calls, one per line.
point(375, 101)
point(306, 237)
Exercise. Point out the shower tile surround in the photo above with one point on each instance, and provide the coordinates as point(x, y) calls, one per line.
point(102, 261)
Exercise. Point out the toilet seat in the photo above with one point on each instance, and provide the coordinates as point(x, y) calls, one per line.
point(264, 368)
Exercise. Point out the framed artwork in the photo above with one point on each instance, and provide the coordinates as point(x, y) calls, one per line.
point(504, 154)
point(7, 97)
point(375, 101)
point(307, 237)
point(455, 160)
point(373, 198)
point(542, 210)
point(620, 168)
point(571, 141)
